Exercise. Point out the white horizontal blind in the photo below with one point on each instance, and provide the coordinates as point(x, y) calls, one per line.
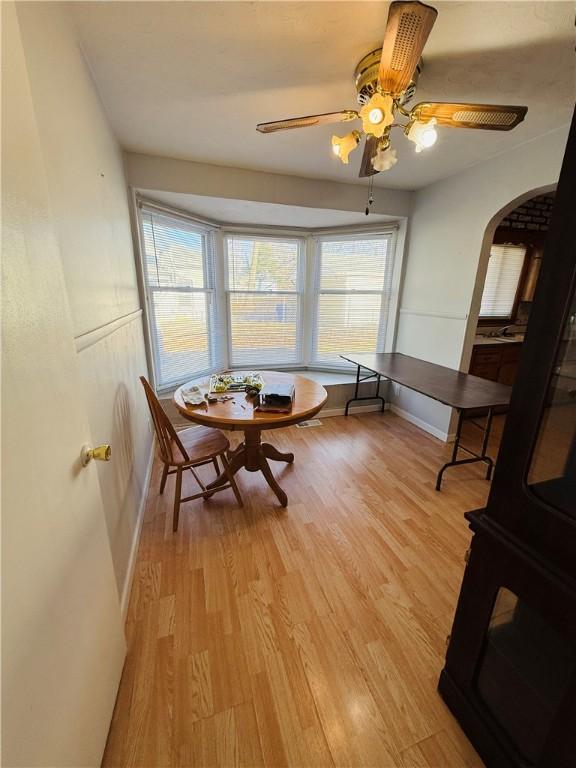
point(353, 291)
point(264, 283)
point(179, 277)
point(504, 270)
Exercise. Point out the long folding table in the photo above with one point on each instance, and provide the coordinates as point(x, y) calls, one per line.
point(460, 391)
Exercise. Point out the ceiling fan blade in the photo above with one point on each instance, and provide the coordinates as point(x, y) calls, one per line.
point(407, 29)
point(304, 122)
point(490, 117)
point(370, 149)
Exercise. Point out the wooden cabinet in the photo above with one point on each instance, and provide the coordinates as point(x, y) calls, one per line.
point(497, 362)
point(510, 671)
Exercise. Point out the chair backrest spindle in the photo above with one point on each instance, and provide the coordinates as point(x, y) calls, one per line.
point(165, 432)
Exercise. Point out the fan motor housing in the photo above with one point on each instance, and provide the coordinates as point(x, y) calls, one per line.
point(366, 78)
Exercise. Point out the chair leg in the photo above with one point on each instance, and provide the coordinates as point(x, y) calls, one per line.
point(177, 496)
point(231, 480)
point(217, 468)
point(164, 477)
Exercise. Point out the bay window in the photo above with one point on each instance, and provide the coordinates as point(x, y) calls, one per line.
point(219, 299)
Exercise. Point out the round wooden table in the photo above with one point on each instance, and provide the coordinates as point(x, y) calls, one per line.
point(239, 414)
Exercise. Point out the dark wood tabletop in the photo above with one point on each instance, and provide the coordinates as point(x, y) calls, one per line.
point(447, 386)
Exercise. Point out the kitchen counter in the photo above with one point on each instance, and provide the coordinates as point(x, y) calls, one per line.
point(482, 341)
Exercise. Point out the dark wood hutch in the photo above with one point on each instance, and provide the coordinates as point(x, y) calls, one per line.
point(510, 671)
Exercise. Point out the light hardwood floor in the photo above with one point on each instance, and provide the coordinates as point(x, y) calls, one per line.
point(306, 636)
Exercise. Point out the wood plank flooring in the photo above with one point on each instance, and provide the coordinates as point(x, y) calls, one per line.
point(306, 636)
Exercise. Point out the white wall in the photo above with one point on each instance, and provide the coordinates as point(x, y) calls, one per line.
point(447, 258)
point(63, 647)
point(88, 194)
point(169, 175)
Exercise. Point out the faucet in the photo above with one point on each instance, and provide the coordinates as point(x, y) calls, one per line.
point(502, 331)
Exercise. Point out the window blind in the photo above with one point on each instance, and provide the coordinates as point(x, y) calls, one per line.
point(504, 269)
point(264, 283)
point(179, 277)
point(353, 290)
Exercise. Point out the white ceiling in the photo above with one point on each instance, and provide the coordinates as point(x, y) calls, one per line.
point(228, 211)
point(191, 79)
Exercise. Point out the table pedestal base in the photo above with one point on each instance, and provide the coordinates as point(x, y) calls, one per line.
point(253, 455)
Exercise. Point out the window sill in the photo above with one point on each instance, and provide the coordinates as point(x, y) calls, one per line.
point(326, 378)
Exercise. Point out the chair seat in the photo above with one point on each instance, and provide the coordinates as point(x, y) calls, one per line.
point(200, 443)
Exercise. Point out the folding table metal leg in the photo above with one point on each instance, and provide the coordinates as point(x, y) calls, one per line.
point(356, 397)
point(482, 456)
point(487, 459)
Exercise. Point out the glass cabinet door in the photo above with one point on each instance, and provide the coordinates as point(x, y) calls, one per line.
point(552, 473)
point(523, 673)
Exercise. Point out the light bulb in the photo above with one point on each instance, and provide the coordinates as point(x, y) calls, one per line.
point(343, 145)
point(423, 135)
point(384, 159)
point(375, 116)
point(428, 137)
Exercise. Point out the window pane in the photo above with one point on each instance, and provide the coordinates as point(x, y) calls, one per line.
point(174, 254)
point(178, 271)
point(504, 270)
point(263, 301)
point(262, 265)
point(355, 284)
point(347, 323)
point(359, 265)
point(181, 344)
point(264, 329)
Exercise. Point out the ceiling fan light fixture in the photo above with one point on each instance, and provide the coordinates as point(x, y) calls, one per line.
point(384, 159)
point(386, 80)
point(343, 145)
point(424, 135)
point(377, 114)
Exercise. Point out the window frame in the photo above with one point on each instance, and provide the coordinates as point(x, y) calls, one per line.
point(504, 239)
point(386, 324)
point(308, 258)
point(299, 292)
point(209, 253)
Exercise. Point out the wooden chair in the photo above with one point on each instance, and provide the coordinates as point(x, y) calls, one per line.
point(188, 449)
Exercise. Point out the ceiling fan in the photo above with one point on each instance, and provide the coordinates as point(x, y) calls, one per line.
point(386, 81)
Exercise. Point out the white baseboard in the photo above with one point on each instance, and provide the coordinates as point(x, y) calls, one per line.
point(325, 412)
point(444, 436)
point(127, 588)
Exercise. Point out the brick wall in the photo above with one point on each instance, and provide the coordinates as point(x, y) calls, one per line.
point(534, 214)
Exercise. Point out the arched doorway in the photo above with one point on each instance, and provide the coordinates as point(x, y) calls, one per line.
point(507, 275)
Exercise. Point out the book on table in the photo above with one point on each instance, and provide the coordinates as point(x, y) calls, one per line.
point(277, 398)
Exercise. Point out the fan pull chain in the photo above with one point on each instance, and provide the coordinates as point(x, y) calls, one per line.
point(370, 194)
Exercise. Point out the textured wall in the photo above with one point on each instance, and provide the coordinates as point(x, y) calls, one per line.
point(88, 193)
point(149, 172)
point(62, 640)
